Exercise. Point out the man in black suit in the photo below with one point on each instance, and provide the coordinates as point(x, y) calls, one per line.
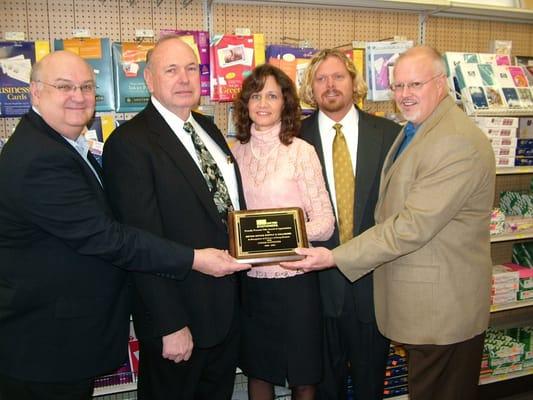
point(155, 167)
point(353, 344)
point(64, 309)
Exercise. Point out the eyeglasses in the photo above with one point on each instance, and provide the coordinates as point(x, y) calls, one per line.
point(398, 87)
point(67, 88)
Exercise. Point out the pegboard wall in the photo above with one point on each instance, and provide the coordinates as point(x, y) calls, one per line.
point(322, 27)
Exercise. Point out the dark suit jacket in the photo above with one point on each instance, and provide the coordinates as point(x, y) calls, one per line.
point(155, 184)
point(376, 135)
point(64, 313)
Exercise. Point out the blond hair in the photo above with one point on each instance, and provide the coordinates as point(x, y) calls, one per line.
point(306, 89)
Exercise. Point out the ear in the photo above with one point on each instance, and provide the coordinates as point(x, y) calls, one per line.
point(442, 83)
point(35, 92)
point(148, 78)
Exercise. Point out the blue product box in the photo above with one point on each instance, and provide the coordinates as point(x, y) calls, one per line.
point(16, 60)
point(129, 61)
point(97, 52)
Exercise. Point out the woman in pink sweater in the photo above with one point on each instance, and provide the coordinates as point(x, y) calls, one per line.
point(281, 336)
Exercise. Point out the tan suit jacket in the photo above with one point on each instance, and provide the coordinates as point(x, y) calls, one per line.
point(430, 247)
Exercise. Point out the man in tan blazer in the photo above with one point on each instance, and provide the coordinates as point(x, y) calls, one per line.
point(430, 246)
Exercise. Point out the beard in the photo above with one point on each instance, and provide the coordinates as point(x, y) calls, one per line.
point(334, 104)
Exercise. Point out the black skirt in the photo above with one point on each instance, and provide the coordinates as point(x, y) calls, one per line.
point(282, 330)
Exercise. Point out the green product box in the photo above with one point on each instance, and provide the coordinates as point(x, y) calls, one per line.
point(516, 203)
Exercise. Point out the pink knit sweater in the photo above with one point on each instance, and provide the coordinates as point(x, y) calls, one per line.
point(275, 175)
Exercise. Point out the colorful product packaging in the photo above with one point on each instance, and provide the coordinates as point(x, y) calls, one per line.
point(97, 52)
point(16, 60)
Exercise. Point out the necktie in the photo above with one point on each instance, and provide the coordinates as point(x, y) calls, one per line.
point(409, 131)
point(212, 175)
point(344, 184)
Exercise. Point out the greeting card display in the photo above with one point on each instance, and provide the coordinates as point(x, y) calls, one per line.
point(129, 61)
point(199, 42)
point(16, 60)
point(97, 52)
point(232, 59)
point(380, 59)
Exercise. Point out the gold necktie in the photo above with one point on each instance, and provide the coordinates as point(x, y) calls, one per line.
point(344, 184)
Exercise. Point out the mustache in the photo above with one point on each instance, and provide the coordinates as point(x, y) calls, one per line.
point(331, 91)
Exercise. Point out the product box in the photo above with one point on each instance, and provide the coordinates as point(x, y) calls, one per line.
point(97, 133)
point(507, 151)
point(199, 42)
point(499, 141)
point(501, 132)
point(523, 254)
point(505, 161)
point(496, 122)
point(233, 57)
point(16, 60)
point(522, 161)
point(524, 151)
point(129, 61)
point(97, 52)
point(516, 203)
point(525, 294)
point(525, 128)
point(380, 59)
point(504, 298)
point(526, 284)
point(497, 221)
point(502, 274)
point(504, 288)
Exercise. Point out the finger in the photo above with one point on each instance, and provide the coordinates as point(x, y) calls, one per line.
point(303, 251)
point(187, 355)
point(296, 265)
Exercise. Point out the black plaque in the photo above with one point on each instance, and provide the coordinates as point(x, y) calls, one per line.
point(266, 236)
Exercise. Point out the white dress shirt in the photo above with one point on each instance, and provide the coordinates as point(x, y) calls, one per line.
point(226, 167)
point(350, 128)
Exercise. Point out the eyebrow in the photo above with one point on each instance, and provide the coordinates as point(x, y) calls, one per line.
point(71, 81)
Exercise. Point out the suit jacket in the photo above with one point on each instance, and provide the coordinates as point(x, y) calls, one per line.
point(431, 241)
point(64, 314)
point(375, 137)
point(156, 185)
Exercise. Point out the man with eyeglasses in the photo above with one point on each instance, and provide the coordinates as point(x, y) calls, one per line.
point(430, 247)
point(64, 301)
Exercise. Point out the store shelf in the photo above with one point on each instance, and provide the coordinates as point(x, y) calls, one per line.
point(521, 315)
point(505, 237)
point(514, 170)
point(504, 377)
point(511, 306)
point(402, 397)
point(439, 8)
point(106, 390)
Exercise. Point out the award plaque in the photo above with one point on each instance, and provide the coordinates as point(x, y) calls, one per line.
point(266, 236)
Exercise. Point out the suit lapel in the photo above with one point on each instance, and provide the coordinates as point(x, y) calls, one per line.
point(369, 145)
point(313, 136)
point(173, 147)
point(46, 129)
point(221, 142)
point(427, 126)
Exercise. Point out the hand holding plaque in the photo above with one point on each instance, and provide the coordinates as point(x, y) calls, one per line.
point(266, 236)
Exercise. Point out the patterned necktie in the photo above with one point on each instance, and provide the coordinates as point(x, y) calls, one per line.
point(409, 131)
point(213, 176)
point(344, 184)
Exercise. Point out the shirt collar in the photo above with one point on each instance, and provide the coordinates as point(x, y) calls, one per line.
point(350, 119)
point(171, 118)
